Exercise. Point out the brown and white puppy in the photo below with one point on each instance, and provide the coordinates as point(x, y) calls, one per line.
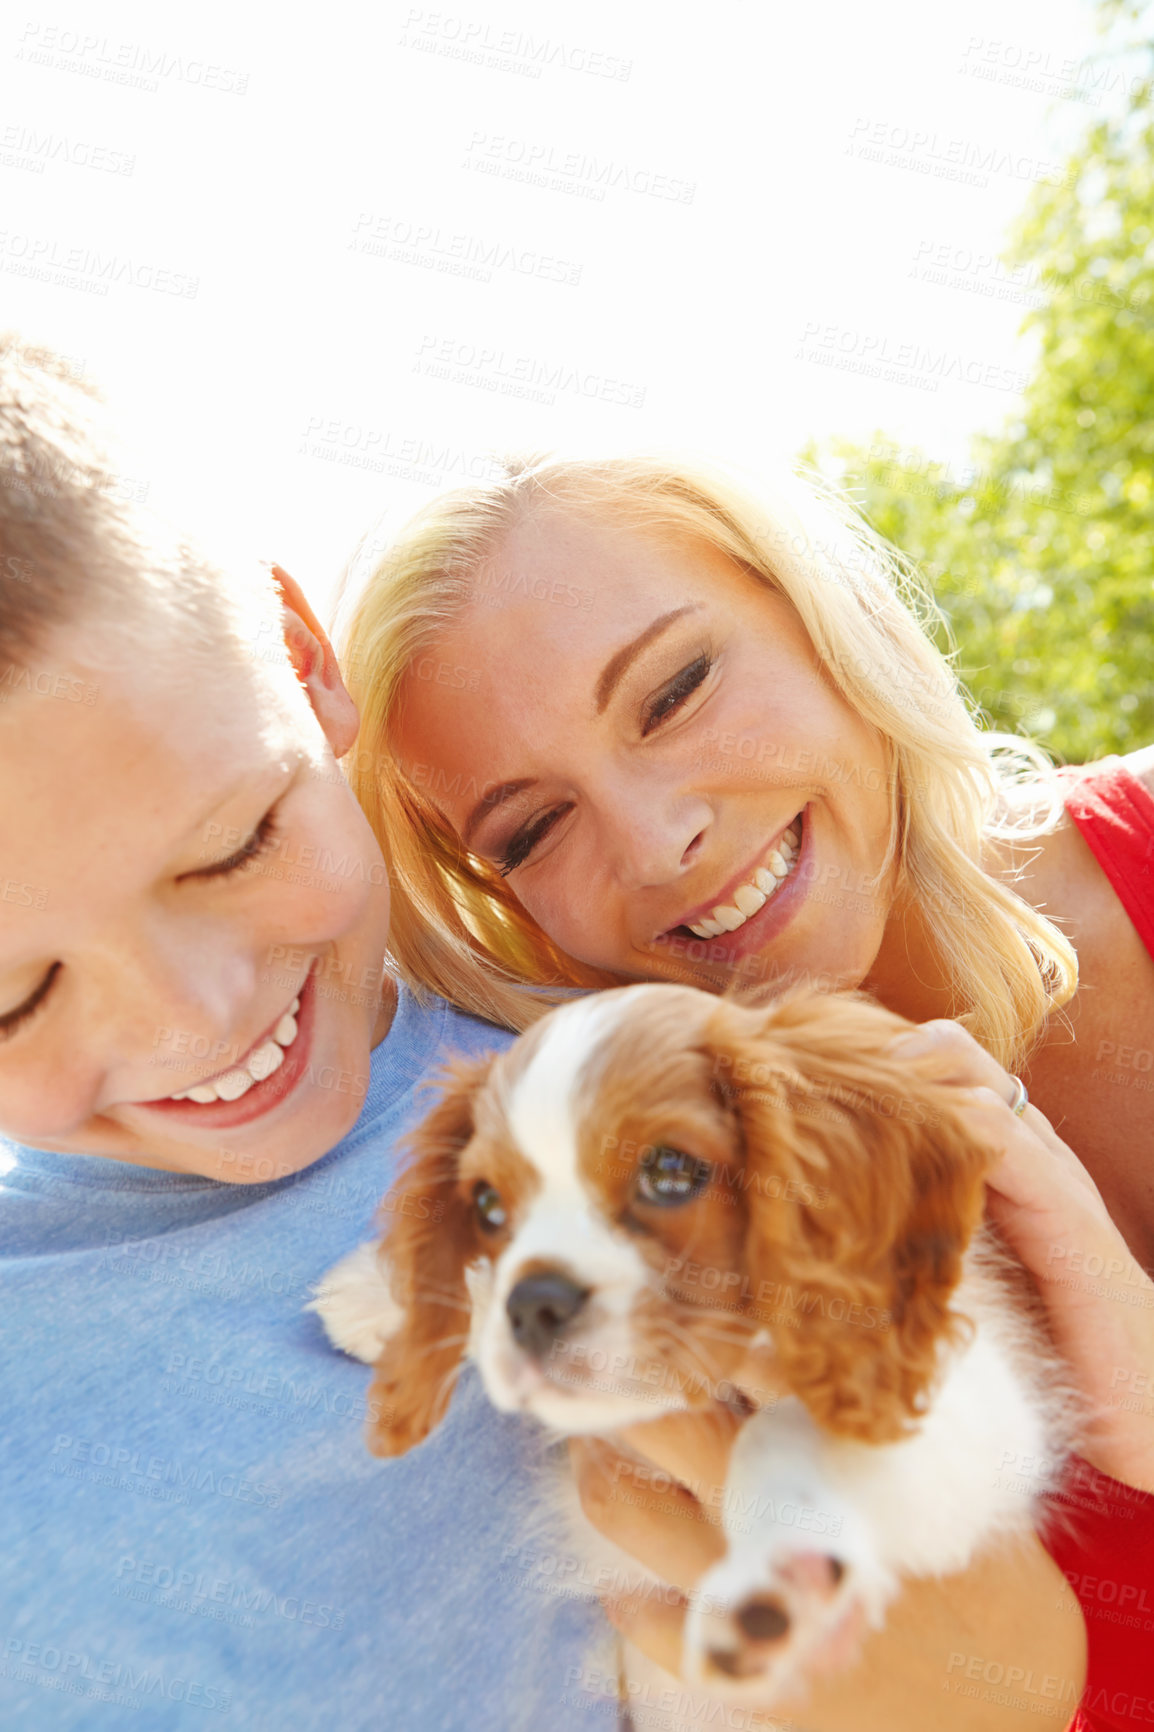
point(653, 1187)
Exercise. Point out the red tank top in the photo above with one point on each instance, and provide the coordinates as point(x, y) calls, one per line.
point(1115, 814)
point(1102, 1532)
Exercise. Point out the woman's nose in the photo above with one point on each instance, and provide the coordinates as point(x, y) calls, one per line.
point(657, 844)
point(693, 848)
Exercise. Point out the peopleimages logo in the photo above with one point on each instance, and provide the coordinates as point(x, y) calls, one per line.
point(25, 147)
point(877, 355)
point(48, 259)
point(122, 1468)
point(79, 1674)
point(969, 161)
point(530, 376)
point(192, 1586)
point(44, 683)
point(136, 65)
point(540, 163)
point(481, 43)
point(455, 253)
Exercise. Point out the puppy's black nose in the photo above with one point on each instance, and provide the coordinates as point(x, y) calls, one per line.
point(539, 1307)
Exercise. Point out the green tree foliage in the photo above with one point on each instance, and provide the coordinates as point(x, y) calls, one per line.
point(1041, 551)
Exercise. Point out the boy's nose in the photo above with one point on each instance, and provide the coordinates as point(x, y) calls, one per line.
point(189, 992)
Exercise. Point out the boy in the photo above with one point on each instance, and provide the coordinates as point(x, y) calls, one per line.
point(210, 1070)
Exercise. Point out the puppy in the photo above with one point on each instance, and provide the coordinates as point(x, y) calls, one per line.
point(657, 1199)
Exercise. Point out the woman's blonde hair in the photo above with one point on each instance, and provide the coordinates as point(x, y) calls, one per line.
point(458, 930)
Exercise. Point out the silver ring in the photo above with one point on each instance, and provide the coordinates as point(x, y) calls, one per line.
point(1021, 1099)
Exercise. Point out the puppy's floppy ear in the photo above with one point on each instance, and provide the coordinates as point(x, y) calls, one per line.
point(427, 1242)
point(862, 1189)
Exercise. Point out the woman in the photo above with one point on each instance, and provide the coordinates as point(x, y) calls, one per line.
point(626, 721)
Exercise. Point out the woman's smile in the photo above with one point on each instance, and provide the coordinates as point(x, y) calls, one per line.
point(737, 904)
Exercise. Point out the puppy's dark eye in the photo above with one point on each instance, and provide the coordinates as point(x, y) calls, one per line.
point(490, 1209)
point(670, 1176)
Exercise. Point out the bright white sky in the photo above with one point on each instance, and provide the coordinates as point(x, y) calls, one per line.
point(748, 271)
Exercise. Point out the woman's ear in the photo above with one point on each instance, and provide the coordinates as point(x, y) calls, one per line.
point(315, 663)
point(863, 1190)
point(429, 1238)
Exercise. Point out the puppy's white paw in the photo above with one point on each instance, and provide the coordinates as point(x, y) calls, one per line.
point(355, 1305)
point(762, 1637)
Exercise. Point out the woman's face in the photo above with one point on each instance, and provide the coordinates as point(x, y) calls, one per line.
point(636, 731)
point(181, 863)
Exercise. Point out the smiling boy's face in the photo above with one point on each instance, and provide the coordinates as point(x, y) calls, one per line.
point(181, 863)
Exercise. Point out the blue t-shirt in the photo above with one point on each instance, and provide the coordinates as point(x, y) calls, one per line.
point(190, 1522)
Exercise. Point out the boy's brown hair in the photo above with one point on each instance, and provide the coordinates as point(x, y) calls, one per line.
point(76, 541)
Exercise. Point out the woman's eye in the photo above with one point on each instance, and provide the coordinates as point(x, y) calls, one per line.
point(490, 1209)
point(523, 844)
point(669, 1176)
point(670, 697)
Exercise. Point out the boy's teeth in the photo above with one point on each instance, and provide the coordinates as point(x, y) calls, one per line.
point(265, 1060)
point(233, 1084)
point(749, 898)
point(268, 1057)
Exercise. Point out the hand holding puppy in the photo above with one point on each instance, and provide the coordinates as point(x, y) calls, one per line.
point(1099, 1300)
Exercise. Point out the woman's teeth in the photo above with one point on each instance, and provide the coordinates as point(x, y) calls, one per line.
point(257, 1066)
point(752, 896)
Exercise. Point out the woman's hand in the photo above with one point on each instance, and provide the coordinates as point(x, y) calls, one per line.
point(1099, 1300)
point(657, 1496)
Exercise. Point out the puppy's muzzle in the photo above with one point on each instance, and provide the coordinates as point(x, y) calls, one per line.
point(540, 1308)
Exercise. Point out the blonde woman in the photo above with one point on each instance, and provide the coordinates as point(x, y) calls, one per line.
point(628, 719)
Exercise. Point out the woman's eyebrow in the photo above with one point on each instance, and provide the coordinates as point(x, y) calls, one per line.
point(618, 664)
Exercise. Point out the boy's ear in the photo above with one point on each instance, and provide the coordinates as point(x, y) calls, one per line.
point(315, 662)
